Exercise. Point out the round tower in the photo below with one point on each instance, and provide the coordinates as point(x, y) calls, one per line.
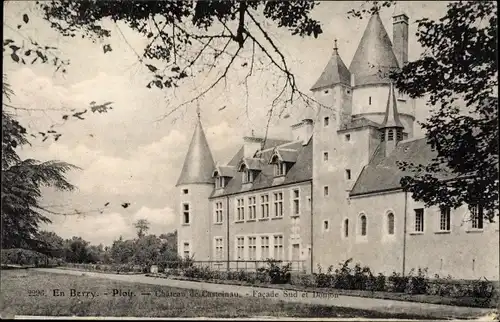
point(194, 187)
point(371, 65)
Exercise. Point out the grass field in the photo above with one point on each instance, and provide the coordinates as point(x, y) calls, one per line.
point(21, 294)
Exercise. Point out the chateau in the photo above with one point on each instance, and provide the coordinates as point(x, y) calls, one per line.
point(333, 191)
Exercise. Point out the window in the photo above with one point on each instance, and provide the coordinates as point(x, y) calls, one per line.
point(264, 206)
point(419, 220)
point(185, 191)
point(264, 247)
point(326, 121)
point(252, 208)
point(295, 202)
point(185, 250)
point(240, 209)
point(347, 137)
point(278, 204)
point(390, 135)
point(279, 169)
point(390, 223)
point(220, 182)
point(326, 225)
point(185, 214)
point(399, 135)
point(240, 247)
point(278, 247)
point(325, 191)
point(247, 176)
point(362, 221)
point(346, 228)
point(382, 136)
point(252, 248)
point(325, 156)
point(348, 174)
point(369, 100)
point(325, 91)
point(219, 248)
point(218, 212)
point(444, 219)
point(477, 214)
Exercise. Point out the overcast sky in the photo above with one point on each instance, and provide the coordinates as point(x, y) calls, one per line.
point(127, 155)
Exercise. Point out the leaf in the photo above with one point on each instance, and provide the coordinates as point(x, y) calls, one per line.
point(15, 57)
point(27, 53)
point(25, 18)
point(45, 138)
point(125, 204)
point(151, 68)
point(65, 117)
point(107, 48)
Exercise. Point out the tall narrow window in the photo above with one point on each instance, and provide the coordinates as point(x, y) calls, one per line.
point(218, 212)
point(185, 191)
point(444, 219)
point(240, 209)
point(264, 247)
point(348, 174)
point(326, 121)
point(419, 220)
point(326, 225)
point(382, 136)
point(390, 223)
point(296, 202)
point(186, 249)
point(325, 156)
point(347, 137)
point(247, 176)
point(362, 221)
point(346, 228)
point(325, 191)
point(240, 248)
point(399, 135)
point(369, 100)
point(278, 247)
point(390, 135)
point(219, 248)
point(219, 182)
point(279, 169)
point(264, 206)
point(278, 204)
point(477, 214)
point(185, 214)
point(252, 248)
point(252, 208)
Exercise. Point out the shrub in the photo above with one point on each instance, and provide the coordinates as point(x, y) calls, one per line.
point(397, 282)
point(360, 277)
point(343, 276)
point(277, 274)
point(418, 284)
point(20, 256)
point(324, 279)
point(482, 289)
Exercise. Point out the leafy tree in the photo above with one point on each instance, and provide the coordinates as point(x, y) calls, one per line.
point(185, 38)
point(457, 70)
point(122, 251)
point(142, 226)
point(77, 251)
point(22, 181)
point(50, 243)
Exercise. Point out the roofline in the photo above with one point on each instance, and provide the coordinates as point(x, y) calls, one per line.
point(358, 128)
point(260, 189)
point(375, 192)
point(199, 182)
point(329, 86)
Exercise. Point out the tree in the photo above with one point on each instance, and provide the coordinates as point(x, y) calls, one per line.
point(50, 244)
point(77, 250)
point(142, 226)
point(457, 70)
point(186, 38)
point(22, 181)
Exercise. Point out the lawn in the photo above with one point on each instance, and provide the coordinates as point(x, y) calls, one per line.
point(21, 294)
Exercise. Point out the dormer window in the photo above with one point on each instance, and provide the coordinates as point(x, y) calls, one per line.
point(220, 182)
point(279, 169)
point(247, 176)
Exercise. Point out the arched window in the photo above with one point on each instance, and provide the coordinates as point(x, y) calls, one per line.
point(390, 223)
point(362, 221)
point(346, 228)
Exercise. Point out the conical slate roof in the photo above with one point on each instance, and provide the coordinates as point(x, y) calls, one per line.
point(374, 57)
point(391, 118)
point(335, 72)
point(199, 163)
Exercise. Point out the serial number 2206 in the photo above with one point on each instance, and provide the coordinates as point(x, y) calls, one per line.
point(36, 292)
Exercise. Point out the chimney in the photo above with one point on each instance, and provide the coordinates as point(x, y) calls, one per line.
point(303, 131)
point(251, 145)
point(400, 35)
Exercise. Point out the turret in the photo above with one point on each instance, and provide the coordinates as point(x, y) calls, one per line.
point(400, 34)
point(391, 132)
point(333, 90)
point(195, 186)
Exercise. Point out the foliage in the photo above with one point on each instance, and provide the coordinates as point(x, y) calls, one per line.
point(278, 274)
point(19, 256)
point(324, 279)
point(142, 226)
point(418, 284)
point(457, 69)
point(397, 282)
point(22, 181)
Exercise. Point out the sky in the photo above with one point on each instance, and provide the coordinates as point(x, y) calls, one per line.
point(129, 154)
